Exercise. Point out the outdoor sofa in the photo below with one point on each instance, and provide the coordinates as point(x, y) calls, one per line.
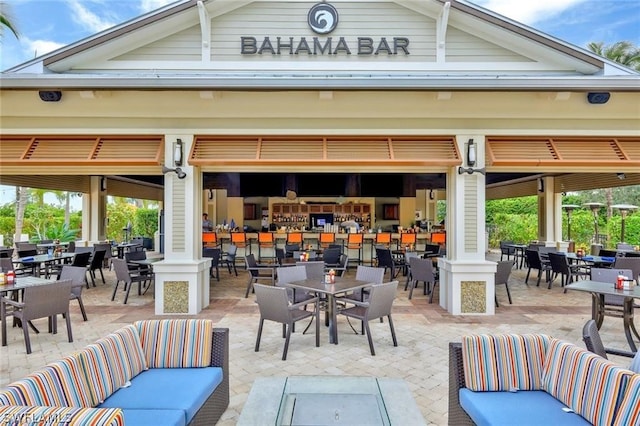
point(154, 372)
point(534, 379)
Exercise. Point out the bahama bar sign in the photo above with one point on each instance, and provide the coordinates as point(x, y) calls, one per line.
point(323, 19)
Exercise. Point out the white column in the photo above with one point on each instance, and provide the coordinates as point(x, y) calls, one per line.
point(467, 285)
point(182, 279)
point(97, 210)
point(550, 214)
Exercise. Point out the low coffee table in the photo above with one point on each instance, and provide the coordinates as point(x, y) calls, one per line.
point(336, 400)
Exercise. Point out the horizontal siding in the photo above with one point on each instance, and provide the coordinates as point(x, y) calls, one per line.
point(182, 46)
point(465, 47)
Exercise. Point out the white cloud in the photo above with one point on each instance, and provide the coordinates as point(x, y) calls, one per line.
point(528, 12)
point(149, 5)
point(88, 19)
point(40, 47)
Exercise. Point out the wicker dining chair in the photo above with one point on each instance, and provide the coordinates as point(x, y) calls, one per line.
point(258, 273)
point(593, 342)
point(503, 272)
point(128, 277)
point(78, 277)
point(41, 301)
point(421, 270)
point(274, 305)
point(214, 254)
point(377, 306)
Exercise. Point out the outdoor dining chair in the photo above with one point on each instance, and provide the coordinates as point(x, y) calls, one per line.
point(41, 301)
point(258, 273)
point(78, 277)
point(378, 305)
point(421, 270)
point(229, 258)
point(503, 272)
point(631, 263)
point(96, 264)
point(560, 266)
point(593, 342)
point(386, 261)
point(274, 305)
point(214, 255)
point(534, 261)
point(128, 277)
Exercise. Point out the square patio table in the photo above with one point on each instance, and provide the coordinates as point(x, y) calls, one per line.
point(598, 290)
point(341, 285)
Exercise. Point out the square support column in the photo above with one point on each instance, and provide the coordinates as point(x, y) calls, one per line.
point(182, 279)
point(467, 279)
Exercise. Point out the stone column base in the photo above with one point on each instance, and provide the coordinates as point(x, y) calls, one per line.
point(181, 286)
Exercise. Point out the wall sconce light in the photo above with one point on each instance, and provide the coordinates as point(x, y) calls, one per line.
point(177, 170)
point(471, 161)
point(540, 185)
point(103, 184)
point(621, 176)
point(471, 153)
point(210, 194)
point(177, 153)
point(431, 195)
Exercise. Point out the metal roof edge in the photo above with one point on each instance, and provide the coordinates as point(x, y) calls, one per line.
point(630, 83)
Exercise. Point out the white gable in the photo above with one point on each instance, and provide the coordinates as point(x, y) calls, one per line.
point(375, 36)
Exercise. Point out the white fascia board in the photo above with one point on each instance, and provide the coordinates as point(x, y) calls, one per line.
point(354, 81)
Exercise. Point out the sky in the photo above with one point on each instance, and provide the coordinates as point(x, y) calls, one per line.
point(46, 25)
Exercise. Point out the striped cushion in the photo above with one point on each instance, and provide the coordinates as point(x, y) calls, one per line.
point(61, 416)
point(176, 343)
point(101, 379)
point(629, 410)
point(61, 383)
point(125, 346)
point(583, 381)
point(503, 362)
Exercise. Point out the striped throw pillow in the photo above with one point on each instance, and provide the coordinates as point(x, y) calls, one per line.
point(68, 416)
point(176, 343)
point(583, 381)
point(61, 383)
point(102, 381)
point(504, 362)
point(629, 409)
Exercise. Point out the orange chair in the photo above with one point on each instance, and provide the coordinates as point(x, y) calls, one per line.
point(239, 239)
point(439, 238)
point(407, 239)
point(210, 240)
point(355, 242)
point(326, 239)
point(294, 238)
point(266, 240)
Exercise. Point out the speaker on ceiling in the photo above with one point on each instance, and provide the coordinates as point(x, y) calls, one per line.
point(50, 95)
point(598, 97)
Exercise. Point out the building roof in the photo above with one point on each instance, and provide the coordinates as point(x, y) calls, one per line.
point(519, 57)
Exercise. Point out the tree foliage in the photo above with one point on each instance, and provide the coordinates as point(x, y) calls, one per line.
point(622, 52)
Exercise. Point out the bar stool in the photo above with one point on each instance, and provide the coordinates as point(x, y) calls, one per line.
point(383, 239)
point(326, 239)
point(210, 240)
point(355, 241)
point(266, 241)
point(239, 239)
point(407, 239)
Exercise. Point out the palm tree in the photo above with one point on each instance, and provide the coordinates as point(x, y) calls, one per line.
point(622, 52)
point(5, 20)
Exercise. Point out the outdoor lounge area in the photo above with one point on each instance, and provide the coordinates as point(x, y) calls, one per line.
point(423, 332)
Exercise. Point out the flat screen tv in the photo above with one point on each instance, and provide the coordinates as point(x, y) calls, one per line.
point(320, 219)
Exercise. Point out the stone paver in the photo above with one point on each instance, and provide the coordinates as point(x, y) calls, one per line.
point(421, 359)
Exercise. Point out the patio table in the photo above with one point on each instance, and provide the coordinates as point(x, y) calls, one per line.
point(46, 259)
point(598, 290)
point(340, 286)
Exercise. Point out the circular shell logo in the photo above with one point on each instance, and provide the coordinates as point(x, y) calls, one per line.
point(323, 18)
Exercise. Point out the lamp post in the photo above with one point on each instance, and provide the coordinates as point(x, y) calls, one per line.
point(594, 209)
point(624, 210)
point(569, 208)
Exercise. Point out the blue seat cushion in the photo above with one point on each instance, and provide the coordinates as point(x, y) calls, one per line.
point(521, 408)
point(184, 389)
point(153, 417)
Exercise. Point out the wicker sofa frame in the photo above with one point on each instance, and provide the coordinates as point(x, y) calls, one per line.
point(457, 415)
